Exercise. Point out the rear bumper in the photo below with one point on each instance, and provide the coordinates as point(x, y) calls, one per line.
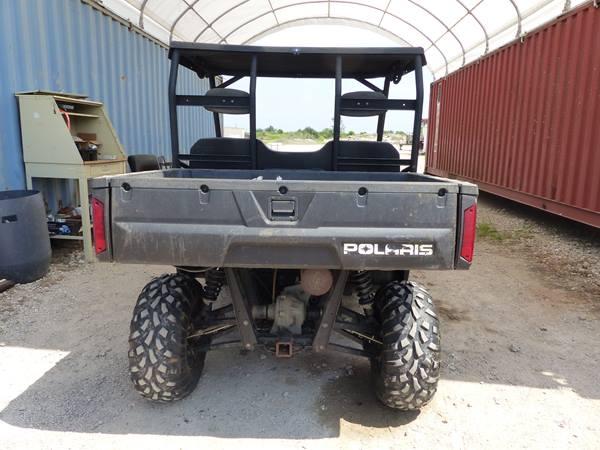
point(241, 246)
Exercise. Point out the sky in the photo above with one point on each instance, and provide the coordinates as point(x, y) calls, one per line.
point(291, 104)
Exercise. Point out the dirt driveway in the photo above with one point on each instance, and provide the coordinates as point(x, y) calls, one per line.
point(521, 365)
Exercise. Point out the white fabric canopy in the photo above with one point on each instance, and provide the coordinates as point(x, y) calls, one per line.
point(453, 32)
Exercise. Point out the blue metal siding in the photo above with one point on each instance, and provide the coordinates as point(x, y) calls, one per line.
point(66, 45)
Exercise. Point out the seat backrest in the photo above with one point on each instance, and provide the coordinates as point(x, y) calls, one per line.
point(362, 156)
point(221, 153)
point(314, 160)
point(234, 153)
point(142, 163)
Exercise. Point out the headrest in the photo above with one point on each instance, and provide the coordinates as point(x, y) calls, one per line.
point(142, 163)
point(228, 106)
point(361, 98)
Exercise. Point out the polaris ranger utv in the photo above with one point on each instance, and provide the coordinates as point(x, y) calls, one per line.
point(314, 248)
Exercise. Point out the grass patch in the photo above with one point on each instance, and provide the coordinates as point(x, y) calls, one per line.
point(489, 231)
point(486, 230)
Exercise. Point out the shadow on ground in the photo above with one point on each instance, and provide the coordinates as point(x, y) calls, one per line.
point(239, 396)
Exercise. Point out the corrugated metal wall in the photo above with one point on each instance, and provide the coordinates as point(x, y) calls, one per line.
point(524, 122)
point(66, 45)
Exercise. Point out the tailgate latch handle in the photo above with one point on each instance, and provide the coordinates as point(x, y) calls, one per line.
point(283, 209)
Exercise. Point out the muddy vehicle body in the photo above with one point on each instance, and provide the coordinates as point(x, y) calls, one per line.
point(314, 248)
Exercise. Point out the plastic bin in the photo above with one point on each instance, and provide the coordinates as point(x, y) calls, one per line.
point(24, 242)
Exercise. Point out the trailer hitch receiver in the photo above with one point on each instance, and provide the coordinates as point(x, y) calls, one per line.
point(284, 349)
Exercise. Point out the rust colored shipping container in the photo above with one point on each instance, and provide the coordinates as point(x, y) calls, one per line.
point(524, 121)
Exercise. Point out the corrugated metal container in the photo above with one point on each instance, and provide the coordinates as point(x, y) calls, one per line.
point(524, 121)
point(70, 46)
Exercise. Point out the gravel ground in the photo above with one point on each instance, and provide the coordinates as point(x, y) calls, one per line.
point(520, 364)
point(566, 252)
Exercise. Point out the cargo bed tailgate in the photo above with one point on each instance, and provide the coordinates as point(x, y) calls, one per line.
point(254, 220)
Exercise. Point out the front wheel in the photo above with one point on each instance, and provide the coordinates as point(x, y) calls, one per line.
point(407, 367)
point(163, 363)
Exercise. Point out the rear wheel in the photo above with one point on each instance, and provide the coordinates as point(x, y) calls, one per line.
point(164, 365)
point(407, 367)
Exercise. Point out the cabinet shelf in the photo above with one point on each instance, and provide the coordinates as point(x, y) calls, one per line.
point(76, 101)
point(76, 114)
point(67, 237)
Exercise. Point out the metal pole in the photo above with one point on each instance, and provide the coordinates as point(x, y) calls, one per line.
point(253, 154)
point(173, 109)
point(337, 112)
point(216, 117)
point(416, 137)
point(381, 119)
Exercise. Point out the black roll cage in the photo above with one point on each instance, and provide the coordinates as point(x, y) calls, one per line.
point(400, 61)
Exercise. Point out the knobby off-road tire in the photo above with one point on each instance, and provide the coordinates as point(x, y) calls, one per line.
point(163, 365)
point(407, 368)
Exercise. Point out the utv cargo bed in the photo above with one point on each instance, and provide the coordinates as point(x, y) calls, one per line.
point(284, 219)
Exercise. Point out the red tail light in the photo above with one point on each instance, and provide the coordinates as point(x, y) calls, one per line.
point(468, 233)
point(98, 219)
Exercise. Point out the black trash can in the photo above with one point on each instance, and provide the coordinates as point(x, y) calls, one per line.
point(24, 242)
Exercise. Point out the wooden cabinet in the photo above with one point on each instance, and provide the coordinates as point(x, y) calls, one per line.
point(50, 123)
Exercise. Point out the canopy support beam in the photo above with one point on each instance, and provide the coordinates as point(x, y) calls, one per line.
point(337, 112)
point(216, 117)
point(173, 109)
point(381, 118)
point(253, 70)
point(416, 137)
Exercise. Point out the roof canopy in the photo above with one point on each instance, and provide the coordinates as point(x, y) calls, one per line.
point(452, 32)
point(302, 62)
